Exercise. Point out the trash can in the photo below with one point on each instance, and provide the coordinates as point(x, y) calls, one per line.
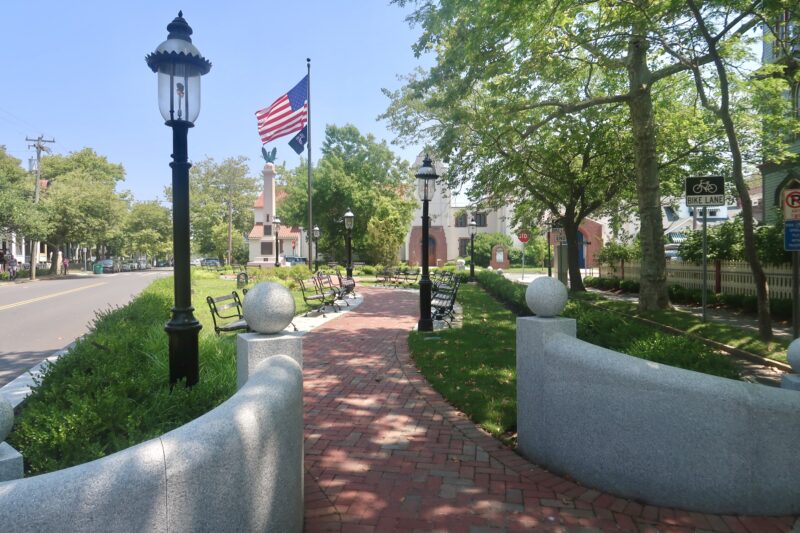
point(98, 268)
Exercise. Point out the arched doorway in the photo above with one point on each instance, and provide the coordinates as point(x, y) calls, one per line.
point(431, 251)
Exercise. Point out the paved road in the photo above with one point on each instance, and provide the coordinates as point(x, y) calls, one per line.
point(42, 317)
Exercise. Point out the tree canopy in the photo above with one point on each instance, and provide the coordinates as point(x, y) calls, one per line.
point(357, 173)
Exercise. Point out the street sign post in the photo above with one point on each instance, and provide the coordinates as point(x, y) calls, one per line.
point(705, 191)
point(791, 243)
point(790, 203)
point(523, 238)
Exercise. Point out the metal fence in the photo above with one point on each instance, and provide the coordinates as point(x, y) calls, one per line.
point(727, 277)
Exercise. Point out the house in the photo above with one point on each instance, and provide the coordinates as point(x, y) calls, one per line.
point(449, 236)
point(784, 48)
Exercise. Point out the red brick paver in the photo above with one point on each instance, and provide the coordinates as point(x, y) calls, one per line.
point(384, 452)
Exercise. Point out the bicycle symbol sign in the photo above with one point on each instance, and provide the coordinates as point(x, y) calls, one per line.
point(705, 191)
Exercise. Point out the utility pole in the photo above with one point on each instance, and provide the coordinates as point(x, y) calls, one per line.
point(38, 145)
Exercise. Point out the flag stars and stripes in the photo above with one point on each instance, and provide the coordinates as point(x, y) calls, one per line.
point(287, 114)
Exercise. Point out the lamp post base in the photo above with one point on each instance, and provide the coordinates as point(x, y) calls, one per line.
point(183, 331)
point(425, 324)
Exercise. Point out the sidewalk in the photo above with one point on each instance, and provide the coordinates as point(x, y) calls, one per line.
point(384, 452)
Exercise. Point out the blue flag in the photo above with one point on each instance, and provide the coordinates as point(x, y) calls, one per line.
point(298, 142)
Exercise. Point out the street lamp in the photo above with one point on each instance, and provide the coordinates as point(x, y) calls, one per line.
point(473, 228)
point(426, 186)
point(276, 225)
point(315, 234)
point(179, 66)
point(348, 224)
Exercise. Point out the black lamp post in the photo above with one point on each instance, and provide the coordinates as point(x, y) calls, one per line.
point(276, 225)
point(315, 234)
point(348, 224)
point(473, 228)
point(179, 66)
point(426, 176)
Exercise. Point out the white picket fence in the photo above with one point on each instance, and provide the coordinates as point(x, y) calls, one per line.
point(735, 276)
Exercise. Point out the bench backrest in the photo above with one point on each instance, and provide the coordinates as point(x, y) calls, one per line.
point(227, 306)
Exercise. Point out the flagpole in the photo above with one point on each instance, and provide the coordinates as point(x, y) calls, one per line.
point(308, 147)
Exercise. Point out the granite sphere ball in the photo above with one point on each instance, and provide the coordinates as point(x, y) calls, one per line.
point(268, 307)
point(546, 296)
point(6, 418)
point(793, 355)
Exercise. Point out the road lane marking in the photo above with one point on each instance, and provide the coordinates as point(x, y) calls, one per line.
point(48, 296)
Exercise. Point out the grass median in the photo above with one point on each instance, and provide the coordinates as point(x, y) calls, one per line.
point(111, 390)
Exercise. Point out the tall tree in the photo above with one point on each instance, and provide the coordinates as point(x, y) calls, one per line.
point(222, 197)
point(17, 212)
point(81, 201)
point(550, 42)
point(358, 173)
point(149, 230)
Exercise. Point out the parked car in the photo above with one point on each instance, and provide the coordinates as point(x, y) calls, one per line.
point(127, 267)
point(290, 260)
point(109, 266)
point(210, 262)
point(163, 263)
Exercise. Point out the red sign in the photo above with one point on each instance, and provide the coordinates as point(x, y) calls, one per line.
point(523, 237)
point(791, 204)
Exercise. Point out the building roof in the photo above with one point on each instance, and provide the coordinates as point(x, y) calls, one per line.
point(259, 201)
point(257, 232)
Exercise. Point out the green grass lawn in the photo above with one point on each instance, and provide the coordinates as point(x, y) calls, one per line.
point(474, 367)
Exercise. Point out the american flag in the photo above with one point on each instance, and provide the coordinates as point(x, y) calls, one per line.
point(286, 115)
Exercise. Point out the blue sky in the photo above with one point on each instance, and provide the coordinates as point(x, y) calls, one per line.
point(75, 71)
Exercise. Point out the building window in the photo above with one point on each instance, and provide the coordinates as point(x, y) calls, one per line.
point(266, 248)
point(480, 220)
point(461, 220)
point(463, 247)
point(267, 230)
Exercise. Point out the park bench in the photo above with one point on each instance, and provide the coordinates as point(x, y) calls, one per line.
point(315, 297)
point(411, 277)
point(226, 311)
point(326, 286)
point(386, 277)
point(443, 301)
point(347, 285)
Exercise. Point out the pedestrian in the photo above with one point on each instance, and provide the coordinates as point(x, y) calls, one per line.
point(12, 267)
point(65, 265)
point(2, 261)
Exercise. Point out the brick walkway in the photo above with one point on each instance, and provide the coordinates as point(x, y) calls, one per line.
point(384, 452)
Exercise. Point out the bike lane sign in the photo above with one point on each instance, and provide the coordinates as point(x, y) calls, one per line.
point(790, 202)
point(705, 191)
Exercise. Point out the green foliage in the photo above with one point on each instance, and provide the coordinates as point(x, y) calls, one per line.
point(358, 173)
point(483, 246)
point(613, 252)
point(17, 212)
point(219, 192)
point(149, 230)
point(111, 390)
point(725, 242)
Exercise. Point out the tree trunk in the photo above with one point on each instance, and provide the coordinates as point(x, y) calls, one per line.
point(653, 293)
point(573, 265)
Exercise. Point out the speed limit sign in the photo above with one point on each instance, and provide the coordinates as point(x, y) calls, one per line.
point(523, 236)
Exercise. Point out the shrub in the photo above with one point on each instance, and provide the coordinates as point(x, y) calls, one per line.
point(627, 285)
point(110, 391)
